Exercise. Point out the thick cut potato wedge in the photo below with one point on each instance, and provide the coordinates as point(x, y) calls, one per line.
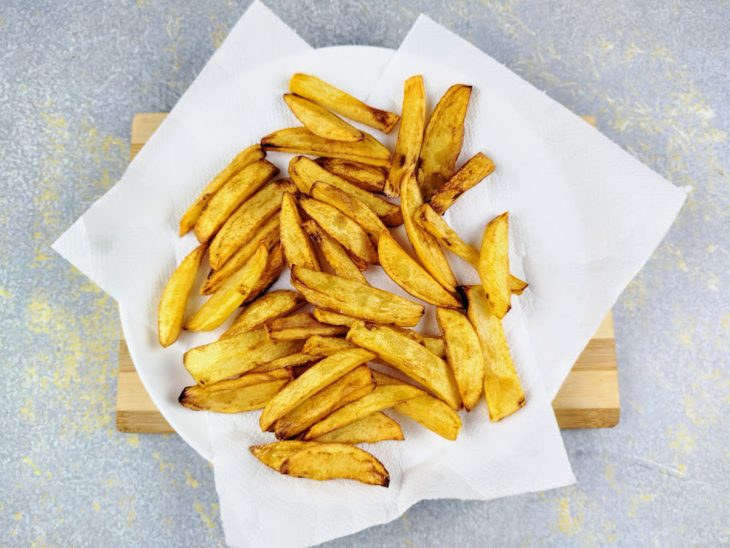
point(494, 265)
point(269, 307)
point(299, 140)
point(312, 381)
point(232, 357)
point(321, 121)
point(442, 140)
point(409, 275)
point(370, 178)
point(355, 299)
point(424, 245)
point(371, 429)
point(245, 157)
point(333, 318)
point(352, 207)
point(342, 103)
point(292, 360)
point(502, 386)
point(171, 310)
point(340, 262)
point(245, 393)
point(273, 455)
point(299, 327)
point(305, 172)
point(350, 387)
point(344, 230)
point(231, 195)
point(464, 355)
point(410, 134)
point(409, 357)
point(297, 247)
point(317, 345)
point(468, 176)
point(271, 273)
point(231, 294)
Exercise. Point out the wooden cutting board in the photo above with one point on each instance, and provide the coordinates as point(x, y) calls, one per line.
point(589, 397)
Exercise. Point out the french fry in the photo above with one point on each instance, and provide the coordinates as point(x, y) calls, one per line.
point(231, 294)
point(273, 455)
point(342, 103)
point(317, 345)
point(299, 327)
point(493, 265)
point(171, 310)
point(305, 172)
point(269, 307)
point(409, 357)
point(292, 360)
point(271, 273)
point(355, 299)
point(442, 140)
point(409, 275)
point(434, 344)
point(502, 386)
point(410, 134)
point(297, 247)
point(333, 318)
point(299, 140)
point(464, 355)
point(352, 207)
point(321, 121)
point(371, 429)
point(245, 157)
point(340, 262)
point(245, 393)
point(231, 195)
point(312, 381)
point(468, 176)
point(370, 178)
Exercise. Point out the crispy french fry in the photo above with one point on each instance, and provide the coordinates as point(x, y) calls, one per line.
point(464, 355)
point(171, 310)
point(502, 386)
point(333, 318)
point(300, 326)
point(292, 360)
point(305, 172)
point(245, 393)
point(271, 273)
point(299, 140)
point(468, 176)
point(352, 207)
point(297, 247)
point(371, 429)
point(317, 345)
point(231, 195)
point(409, 275)
point(342, 103)
point(269, 307)
point(409, 357)
point(340, 262)
point(321, 121)
point(245, 157)
point(434, 344)
point(355, 299)
point(493, 265)
point(231, 294)
point(370, 178)
point(350, 387)
point(442, 140)
point(312, 381)
point(273, 455)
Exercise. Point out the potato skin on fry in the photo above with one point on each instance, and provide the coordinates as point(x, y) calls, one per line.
point(245, 393)
point(266, 308)
point(468, 176)
point(494, 265)
point(318, 345)
point(321, 121)
point(334, 254)
point(370, 178)
point(300, 326)
point(370, 429)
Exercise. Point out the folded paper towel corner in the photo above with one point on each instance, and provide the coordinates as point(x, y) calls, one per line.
point(585, 217)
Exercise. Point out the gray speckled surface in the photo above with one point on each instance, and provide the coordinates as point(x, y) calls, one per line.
point(655, 73)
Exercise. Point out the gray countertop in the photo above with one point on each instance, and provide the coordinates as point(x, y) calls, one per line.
point(654, 73)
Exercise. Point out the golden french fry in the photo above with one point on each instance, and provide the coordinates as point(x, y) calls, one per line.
point(434, 344)
point(269, 307)
point(231, 294)
point(317, 345)
point(271, 273)
point(342, 103)
point(370, 178)
point(231, 195)
point(352, 207)
point(468, 176)
point(312, 381)
point(340, 262)
point(442, 140)
point(410, 134)
point(502, 386)
point(245, 393)
point(371, 429)
point(297, 247)
point(493, 265)
point(350, 387)
point(273, 455)
point(245, 157)
point(409, 357)
point(300, 326)
point(355, 299)
point(171, 310)
point(299, 140)
point(305, 172)
point(409, 275)
point(321, 121)
point(333, 318)
point(464, 355)
point(292, 360)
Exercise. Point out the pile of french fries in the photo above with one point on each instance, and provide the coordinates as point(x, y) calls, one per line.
point(309, 369)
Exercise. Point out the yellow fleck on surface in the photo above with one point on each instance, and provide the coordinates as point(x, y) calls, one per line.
point(164, 466)
point(96, 506)
point(27, 410)
point(638, 500)
point(190, 480)
point(568, 523)
point(17, 516)
point(206, 517)
point(681, 440)
point(133, 440)
point(5, 293)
